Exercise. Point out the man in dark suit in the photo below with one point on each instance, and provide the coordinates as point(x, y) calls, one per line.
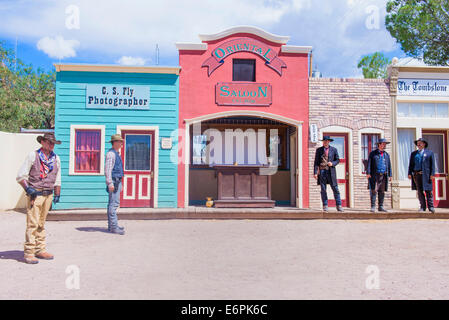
point(378, 174)
point(326, 158)
point(421, 171)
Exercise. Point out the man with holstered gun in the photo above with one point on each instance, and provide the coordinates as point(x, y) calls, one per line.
point(326, 158)
point(40, 177)
point(113, 171)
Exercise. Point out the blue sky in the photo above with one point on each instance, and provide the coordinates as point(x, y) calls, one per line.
point(126, 32)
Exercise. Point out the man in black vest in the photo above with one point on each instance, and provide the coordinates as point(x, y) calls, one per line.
point(421, 171)
point(378, 174)
point(326, 158)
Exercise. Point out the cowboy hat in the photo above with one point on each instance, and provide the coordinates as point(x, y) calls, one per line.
point(116, 137)
point(422, 140)
point(49, 136)
point(382, 140)
point(327, 138)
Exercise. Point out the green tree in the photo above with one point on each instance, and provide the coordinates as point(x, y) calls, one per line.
point(27, 96)
point(374, 66)
point(421, 27)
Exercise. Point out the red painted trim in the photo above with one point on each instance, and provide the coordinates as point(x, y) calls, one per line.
point(139, 203)
point(344, 202)
point(441, 203)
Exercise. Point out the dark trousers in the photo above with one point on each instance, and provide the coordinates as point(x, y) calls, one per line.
point(381, 181)
point(325, 178)
point(420, 190)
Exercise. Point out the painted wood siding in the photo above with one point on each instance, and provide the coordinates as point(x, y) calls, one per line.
point(90, 191)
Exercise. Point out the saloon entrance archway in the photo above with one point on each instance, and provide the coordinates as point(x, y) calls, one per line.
point(230, 154)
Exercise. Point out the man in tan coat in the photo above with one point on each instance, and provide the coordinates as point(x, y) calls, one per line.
point(40, 177)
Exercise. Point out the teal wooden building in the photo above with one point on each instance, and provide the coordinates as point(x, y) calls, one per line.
point(94, 102)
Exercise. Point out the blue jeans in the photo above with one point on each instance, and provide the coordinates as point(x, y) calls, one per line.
point(325, 179)
point(113, 205)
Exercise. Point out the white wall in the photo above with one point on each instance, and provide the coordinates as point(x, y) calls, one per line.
point(15, 148)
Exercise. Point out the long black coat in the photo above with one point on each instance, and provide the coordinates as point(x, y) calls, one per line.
point(333, 157)
point(428, 169)
point(372, 168)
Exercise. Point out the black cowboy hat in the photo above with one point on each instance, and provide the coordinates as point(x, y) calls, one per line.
point(423, 140)
point(382, 140)
point(327, 138)
point(49, 137)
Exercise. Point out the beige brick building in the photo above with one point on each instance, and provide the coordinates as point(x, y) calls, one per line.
point(355, 112)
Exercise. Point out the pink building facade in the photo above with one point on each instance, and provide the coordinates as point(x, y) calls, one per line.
point(250, 80)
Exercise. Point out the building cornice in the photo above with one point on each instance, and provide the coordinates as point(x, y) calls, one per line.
point(116, 68)
point(245, 29)
point(296, 49)
point(191, 46)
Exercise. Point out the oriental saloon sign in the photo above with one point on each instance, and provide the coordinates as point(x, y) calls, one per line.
point(244, 45)
point(243, 94)
point(124, 97)
point(423, 87)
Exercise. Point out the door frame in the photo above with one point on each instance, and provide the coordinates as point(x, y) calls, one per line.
point(350, 160)
point(155, 129)
point(444, 133)
point(346, 156)
point(295, 123)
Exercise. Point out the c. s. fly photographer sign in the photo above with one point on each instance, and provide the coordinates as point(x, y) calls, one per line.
point(135, 97)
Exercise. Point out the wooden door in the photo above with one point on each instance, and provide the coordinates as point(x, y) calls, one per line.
point(438, 144)
point(138, 162)
point(341, 144)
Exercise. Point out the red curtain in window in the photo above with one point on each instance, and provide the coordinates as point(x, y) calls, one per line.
point(87, 151)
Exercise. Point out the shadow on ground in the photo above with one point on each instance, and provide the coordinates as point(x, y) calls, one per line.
point(93, 229)
point(12, 255)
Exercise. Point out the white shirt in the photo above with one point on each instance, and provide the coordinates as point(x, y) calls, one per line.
point(24, 170)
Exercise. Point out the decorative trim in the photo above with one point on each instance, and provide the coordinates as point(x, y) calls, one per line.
point(436, 69)
point(296, 49)
point(115, 68)
point(244, 113)
point(121, 128)
point(73, 129)
point(191, 46)
point(292, 122)
point(125, 187)
point(245, 29)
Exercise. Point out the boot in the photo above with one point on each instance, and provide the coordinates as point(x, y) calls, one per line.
point(373, 202)
point(45, 255)
point(30, 259)
point(381, 202)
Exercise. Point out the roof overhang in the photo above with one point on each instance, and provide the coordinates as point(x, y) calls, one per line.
point(116, 68)
point(296, 49)
point(191, 46)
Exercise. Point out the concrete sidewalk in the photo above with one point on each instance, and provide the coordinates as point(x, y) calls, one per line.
point(198, 212)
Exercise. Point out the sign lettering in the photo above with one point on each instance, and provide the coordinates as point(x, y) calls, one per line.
point(243, 94)
point(244, 45)
point(127, 97)
point(423, 87)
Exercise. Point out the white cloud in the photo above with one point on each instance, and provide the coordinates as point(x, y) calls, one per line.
point(112, 29)
point(131, 61)
point(58, 47)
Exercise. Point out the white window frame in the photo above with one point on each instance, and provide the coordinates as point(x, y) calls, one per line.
point(366, 131)
point(73, 129)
